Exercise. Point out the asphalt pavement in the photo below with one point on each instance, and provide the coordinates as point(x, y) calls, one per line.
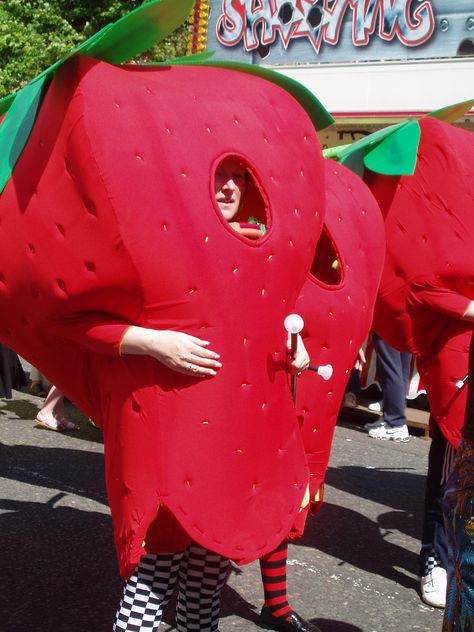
point(355, 569)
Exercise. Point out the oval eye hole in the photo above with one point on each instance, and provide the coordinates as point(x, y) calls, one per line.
point(240, 198)
point(327, 264)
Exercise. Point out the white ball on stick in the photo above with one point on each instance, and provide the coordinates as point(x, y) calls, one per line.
point(325, 371)
point(294, 323)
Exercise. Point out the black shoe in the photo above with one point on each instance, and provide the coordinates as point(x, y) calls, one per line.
point(294, 624)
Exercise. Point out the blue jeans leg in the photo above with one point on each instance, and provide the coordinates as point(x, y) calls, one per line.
point(393, 370)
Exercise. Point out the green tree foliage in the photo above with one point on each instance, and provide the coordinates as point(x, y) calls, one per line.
point(35, 33)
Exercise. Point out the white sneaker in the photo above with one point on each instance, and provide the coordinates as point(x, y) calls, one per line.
point(399, 433)
point(350, 400)
point(370, 425)
point(433, 587)
point(375, 406)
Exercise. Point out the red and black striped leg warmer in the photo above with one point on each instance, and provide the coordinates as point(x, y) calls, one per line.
point(273, 569)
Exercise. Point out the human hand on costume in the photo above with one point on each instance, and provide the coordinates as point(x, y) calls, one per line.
point(469, 313)
point(360, 360)
point(176, 350)
point(301, 360)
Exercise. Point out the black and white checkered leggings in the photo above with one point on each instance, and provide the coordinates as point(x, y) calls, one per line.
point(201, 575)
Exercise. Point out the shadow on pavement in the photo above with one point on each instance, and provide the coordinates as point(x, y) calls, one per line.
point(405, 522)
point(399, 489)
point(330, 625)
point(356, 540)
point(234, 604)
point(74, 471)
point(58, 568)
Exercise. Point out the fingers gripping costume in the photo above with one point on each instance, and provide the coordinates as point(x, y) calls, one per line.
point(336, 303)
point(427, 282)
point(109, 220)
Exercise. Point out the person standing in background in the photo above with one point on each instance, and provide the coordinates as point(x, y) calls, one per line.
point(393, 372)
point(12, 375)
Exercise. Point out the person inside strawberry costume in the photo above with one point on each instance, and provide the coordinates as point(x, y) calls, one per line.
point(421, 174)
point(155, 577)
point(150, 312)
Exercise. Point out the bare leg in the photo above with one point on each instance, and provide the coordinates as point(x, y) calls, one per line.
point(51, 415)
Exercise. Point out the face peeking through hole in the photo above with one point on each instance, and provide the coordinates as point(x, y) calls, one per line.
point(230, 184)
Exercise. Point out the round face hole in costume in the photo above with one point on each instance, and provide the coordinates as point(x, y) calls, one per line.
point(239, 197)
point(327, 265)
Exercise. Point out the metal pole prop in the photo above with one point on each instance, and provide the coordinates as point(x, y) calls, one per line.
point(293, 325)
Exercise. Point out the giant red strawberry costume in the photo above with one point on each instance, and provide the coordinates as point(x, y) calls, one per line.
point(427, 285)
point(111, 221)
point(422, 175)
point(337, 302)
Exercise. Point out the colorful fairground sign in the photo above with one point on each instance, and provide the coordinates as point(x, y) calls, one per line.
point(316, 31)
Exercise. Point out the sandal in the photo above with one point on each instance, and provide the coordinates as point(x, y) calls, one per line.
point(49, 422)
point(66, 424)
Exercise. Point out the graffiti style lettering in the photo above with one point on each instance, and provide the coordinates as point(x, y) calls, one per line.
point(395, 18)
point(259, 22)
point(244, 18)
